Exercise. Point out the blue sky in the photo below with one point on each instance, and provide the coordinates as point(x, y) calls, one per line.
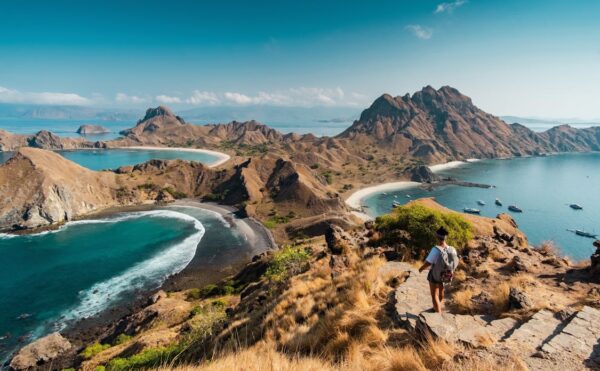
point(531, 58)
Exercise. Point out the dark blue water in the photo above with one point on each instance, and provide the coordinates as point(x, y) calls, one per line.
point(100, 159)
point(51, 279)
point(542, 186)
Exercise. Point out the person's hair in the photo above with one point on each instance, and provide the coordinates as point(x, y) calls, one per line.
point(441, 233)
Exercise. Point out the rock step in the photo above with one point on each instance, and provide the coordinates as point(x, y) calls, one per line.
point(476, 331)
point(412, 296)
point(530, 336)
point(579, 338)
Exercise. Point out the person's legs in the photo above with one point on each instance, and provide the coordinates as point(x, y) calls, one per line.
point(441, 297)
point(433, 288)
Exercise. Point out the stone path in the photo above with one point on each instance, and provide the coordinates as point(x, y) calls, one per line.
point(543, 342)
point(579, 338)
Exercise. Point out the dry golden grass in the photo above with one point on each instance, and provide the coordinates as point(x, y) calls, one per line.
point(462, 301)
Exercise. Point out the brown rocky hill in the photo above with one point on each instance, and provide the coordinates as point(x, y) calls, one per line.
point(41, 187)
point(437, 126)
point(43, 139)
point(565, 138)
point(161, 126)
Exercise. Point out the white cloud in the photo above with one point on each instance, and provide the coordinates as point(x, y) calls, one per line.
point(49, 98)
point(124, 98)
point(302, 96)
point(449, 7)
point(423, 33)
point(202, 97)
point(167, 99)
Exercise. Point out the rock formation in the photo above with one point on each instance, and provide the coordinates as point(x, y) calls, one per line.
point(90, 129)
point(41, 352)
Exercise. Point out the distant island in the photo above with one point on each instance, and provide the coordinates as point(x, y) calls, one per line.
point(90, 129)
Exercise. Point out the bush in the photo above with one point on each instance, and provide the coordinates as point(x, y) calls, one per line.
point(421, 223)
point(122, 338)
point(287, 262)
point(175, 193)
point(149, 358)
point(91, 350)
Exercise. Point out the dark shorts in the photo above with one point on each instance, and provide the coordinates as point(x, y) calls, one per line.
point(430, 279)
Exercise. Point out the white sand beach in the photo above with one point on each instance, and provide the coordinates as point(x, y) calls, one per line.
point(223, 157)
point(355, 199)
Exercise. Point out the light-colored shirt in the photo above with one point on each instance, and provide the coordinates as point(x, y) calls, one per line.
point(433, 256)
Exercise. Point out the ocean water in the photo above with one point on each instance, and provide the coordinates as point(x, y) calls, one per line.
point(100, 159)
point(542, 186)
point(68, 128)
point(63, 128)
point(49, 279)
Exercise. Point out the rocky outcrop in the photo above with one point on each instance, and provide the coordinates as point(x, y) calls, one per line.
point(11, 142)
point(423, 174)
point(41, 352)
point(89, 129)
point(41, 187)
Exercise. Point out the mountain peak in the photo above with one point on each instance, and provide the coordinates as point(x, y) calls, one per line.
point(160, 111)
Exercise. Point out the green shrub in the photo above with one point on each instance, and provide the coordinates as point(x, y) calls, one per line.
point(175, 193)
point(122, 338)
point(196, 310)
point(99, 368)
point(193, 294)
point(91, 350)
point(219, 303)
point(149, 358)
point(421, 223)
point(287, 262)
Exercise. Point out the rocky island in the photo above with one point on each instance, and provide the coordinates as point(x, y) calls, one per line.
point(90, 129)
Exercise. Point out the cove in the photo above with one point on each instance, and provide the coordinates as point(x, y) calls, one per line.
point(52, 278)
point(542, 186)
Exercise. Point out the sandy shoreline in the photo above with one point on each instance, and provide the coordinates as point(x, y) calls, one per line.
point(355, 199)
point(222, 157)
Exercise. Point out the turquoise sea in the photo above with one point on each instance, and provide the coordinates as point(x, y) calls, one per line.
point(542, 186)
point(100, 159)
point(49, 279)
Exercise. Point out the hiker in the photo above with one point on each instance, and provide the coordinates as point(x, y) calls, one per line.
point(443, 260)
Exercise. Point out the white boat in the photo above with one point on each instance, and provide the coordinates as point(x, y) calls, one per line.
point(576, 207)
point(470, 210)
point(480, 202)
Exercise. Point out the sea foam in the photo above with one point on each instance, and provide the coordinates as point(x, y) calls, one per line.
point(147, 274)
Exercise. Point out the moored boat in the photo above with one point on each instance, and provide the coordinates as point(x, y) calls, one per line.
point(480, 202)
point(498, 202)
point(470, 210)
point(583, 233)
point(515, 209)
point(576, 207)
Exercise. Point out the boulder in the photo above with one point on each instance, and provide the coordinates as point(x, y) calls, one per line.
point(338, 241)
point(517, 299)
point(338, 264)
point(40, 352)
point(517, 264)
